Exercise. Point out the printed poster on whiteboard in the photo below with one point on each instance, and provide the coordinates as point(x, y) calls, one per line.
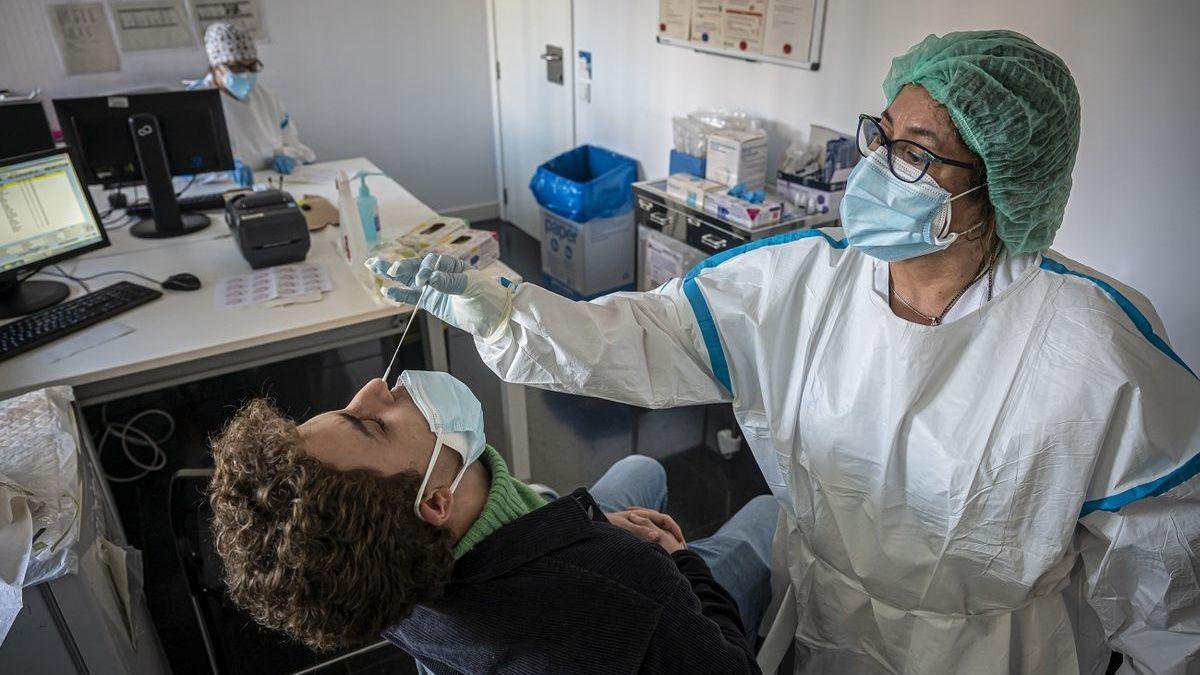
point(789, 26)
point(144, 25)
point(707, 22)
point(674, 18)
point(743, 25)
point(85, 40)
point(246, 14)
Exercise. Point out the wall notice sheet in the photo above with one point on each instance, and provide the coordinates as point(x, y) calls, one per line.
point(151, 24)
point(743, 25)
point(674, 18)
point(707, 21)
point(789, 29)
point(85, 39)
point(246, 14)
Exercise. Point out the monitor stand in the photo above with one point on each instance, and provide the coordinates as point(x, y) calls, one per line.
point(27, 297)
point(167, 220)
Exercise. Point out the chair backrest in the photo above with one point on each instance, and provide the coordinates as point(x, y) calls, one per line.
point(188, 505)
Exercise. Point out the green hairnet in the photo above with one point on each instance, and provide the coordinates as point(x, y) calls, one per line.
point(1016, 106)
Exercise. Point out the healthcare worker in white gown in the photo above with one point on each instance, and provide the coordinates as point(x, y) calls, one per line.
point(262, 133)
point(987, 452)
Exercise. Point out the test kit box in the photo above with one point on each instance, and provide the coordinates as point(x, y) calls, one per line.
point(478, 248)
point(747, 214)
point(737, 157)
point(432, 232)
point(811, 197)
point(690, 189)
point(586, 260)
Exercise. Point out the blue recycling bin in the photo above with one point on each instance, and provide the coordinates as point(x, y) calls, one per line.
point(588, 234)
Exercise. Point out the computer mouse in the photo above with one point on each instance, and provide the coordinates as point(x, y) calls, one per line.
point(184, 281)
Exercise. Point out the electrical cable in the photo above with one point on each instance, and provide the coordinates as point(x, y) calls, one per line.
point(80, 280)
point(185, 187)
point(64, 275)
point(131, 435)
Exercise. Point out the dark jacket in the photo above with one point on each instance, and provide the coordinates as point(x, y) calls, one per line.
point(560, 590)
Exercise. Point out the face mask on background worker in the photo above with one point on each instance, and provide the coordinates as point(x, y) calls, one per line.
point(893, 219)
point(238, 84)
point(454, 415)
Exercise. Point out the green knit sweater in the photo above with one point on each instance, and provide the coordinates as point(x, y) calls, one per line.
point(507, 500)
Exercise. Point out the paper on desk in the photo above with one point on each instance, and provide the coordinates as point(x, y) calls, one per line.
point(285, 284)
point(84, 340)
point(311, 174)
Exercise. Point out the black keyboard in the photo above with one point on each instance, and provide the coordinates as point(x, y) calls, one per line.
point(213, 201)
point(68, 317)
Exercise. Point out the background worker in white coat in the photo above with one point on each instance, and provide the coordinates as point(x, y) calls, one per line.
point(986, 452)
point(261, 131)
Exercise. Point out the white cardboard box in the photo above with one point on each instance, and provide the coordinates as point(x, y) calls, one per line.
point(691, 189)
point(585, 260)
point(744, 213)
point(478, 248)
point(738, 157)
point(432, 232)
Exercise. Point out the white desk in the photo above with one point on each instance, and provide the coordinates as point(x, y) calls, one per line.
point(182, 337)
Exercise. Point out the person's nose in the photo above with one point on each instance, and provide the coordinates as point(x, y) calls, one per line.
point(375, 393)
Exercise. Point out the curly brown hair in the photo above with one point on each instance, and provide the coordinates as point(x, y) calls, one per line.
point(331, 558)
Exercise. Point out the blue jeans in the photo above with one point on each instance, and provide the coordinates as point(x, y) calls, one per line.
point(739, 554)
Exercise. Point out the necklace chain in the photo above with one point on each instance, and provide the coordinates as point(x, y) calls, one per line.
point(989, 272)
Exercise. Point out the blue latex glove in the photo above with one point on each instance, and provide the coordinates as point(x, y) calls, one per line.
point(241, 174)
point(283, 164)
point(451, 290)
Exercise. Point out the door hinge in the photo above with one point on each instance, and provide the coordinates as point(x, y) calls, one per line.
point(506, 196)
point(497, 70)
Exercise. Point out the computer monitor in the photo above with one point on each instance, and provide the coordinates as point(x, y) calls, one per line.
point(147, 138)
point(46, 215)
point(24, 129)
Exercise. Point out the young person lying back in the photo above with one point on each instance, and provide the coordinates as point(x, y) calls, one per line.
point(360, 522)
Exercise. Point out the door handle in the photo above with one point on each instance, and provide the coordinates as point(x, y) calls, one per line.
point(551, 57)
point(713, 242)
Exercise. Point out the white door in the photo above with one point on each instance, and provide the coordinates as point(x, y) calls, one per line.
point(536, 115)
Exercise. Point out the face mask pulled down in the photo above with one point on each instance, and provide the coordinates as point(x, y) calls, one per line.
point(454, 415)
point(892, 220)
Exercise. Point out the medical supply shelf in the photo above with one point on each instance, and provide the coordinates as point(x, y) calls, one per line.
point(706, 233)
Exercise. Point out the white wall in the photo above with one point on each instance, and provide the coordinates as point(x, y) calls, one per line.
point(402, 83)
point(1133, 210)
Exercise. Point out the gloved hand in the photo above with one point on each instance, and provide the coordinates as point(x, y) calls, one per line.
point(241, 174)
point(283, 164)
point(451, 290)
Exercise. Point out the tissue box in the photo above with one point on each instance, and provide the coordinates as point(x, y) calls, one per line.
point(432, 232)
point(478, 248)
point(690, 189)
point(737, 157)
point(727, 207)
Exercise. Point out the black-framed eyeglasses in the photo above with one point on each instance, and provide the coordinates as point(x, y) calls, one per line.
point(252, 67)
point(916, 158)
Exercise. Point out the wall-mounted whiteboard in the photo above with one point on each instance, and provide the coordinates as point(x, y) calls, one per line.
point(785, 32)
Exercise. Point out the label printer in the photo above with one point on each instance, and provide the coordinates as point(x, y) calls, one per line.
point(269, 228)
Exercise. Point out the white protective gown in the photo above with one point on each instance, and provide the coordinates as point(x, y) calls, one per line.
point(1010, 492)
point(260, 128)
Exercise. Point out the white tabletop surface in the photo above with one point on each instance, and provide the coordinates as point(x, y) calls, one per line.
point(186, 326)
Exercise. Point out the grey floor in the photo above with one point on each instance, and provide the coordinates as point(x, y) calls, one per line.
point(573, 441)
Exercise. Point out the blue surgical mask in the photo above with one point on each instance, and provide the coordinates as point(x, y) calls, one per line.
point(892, 220)
point(240, 84)
point(454, 416)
